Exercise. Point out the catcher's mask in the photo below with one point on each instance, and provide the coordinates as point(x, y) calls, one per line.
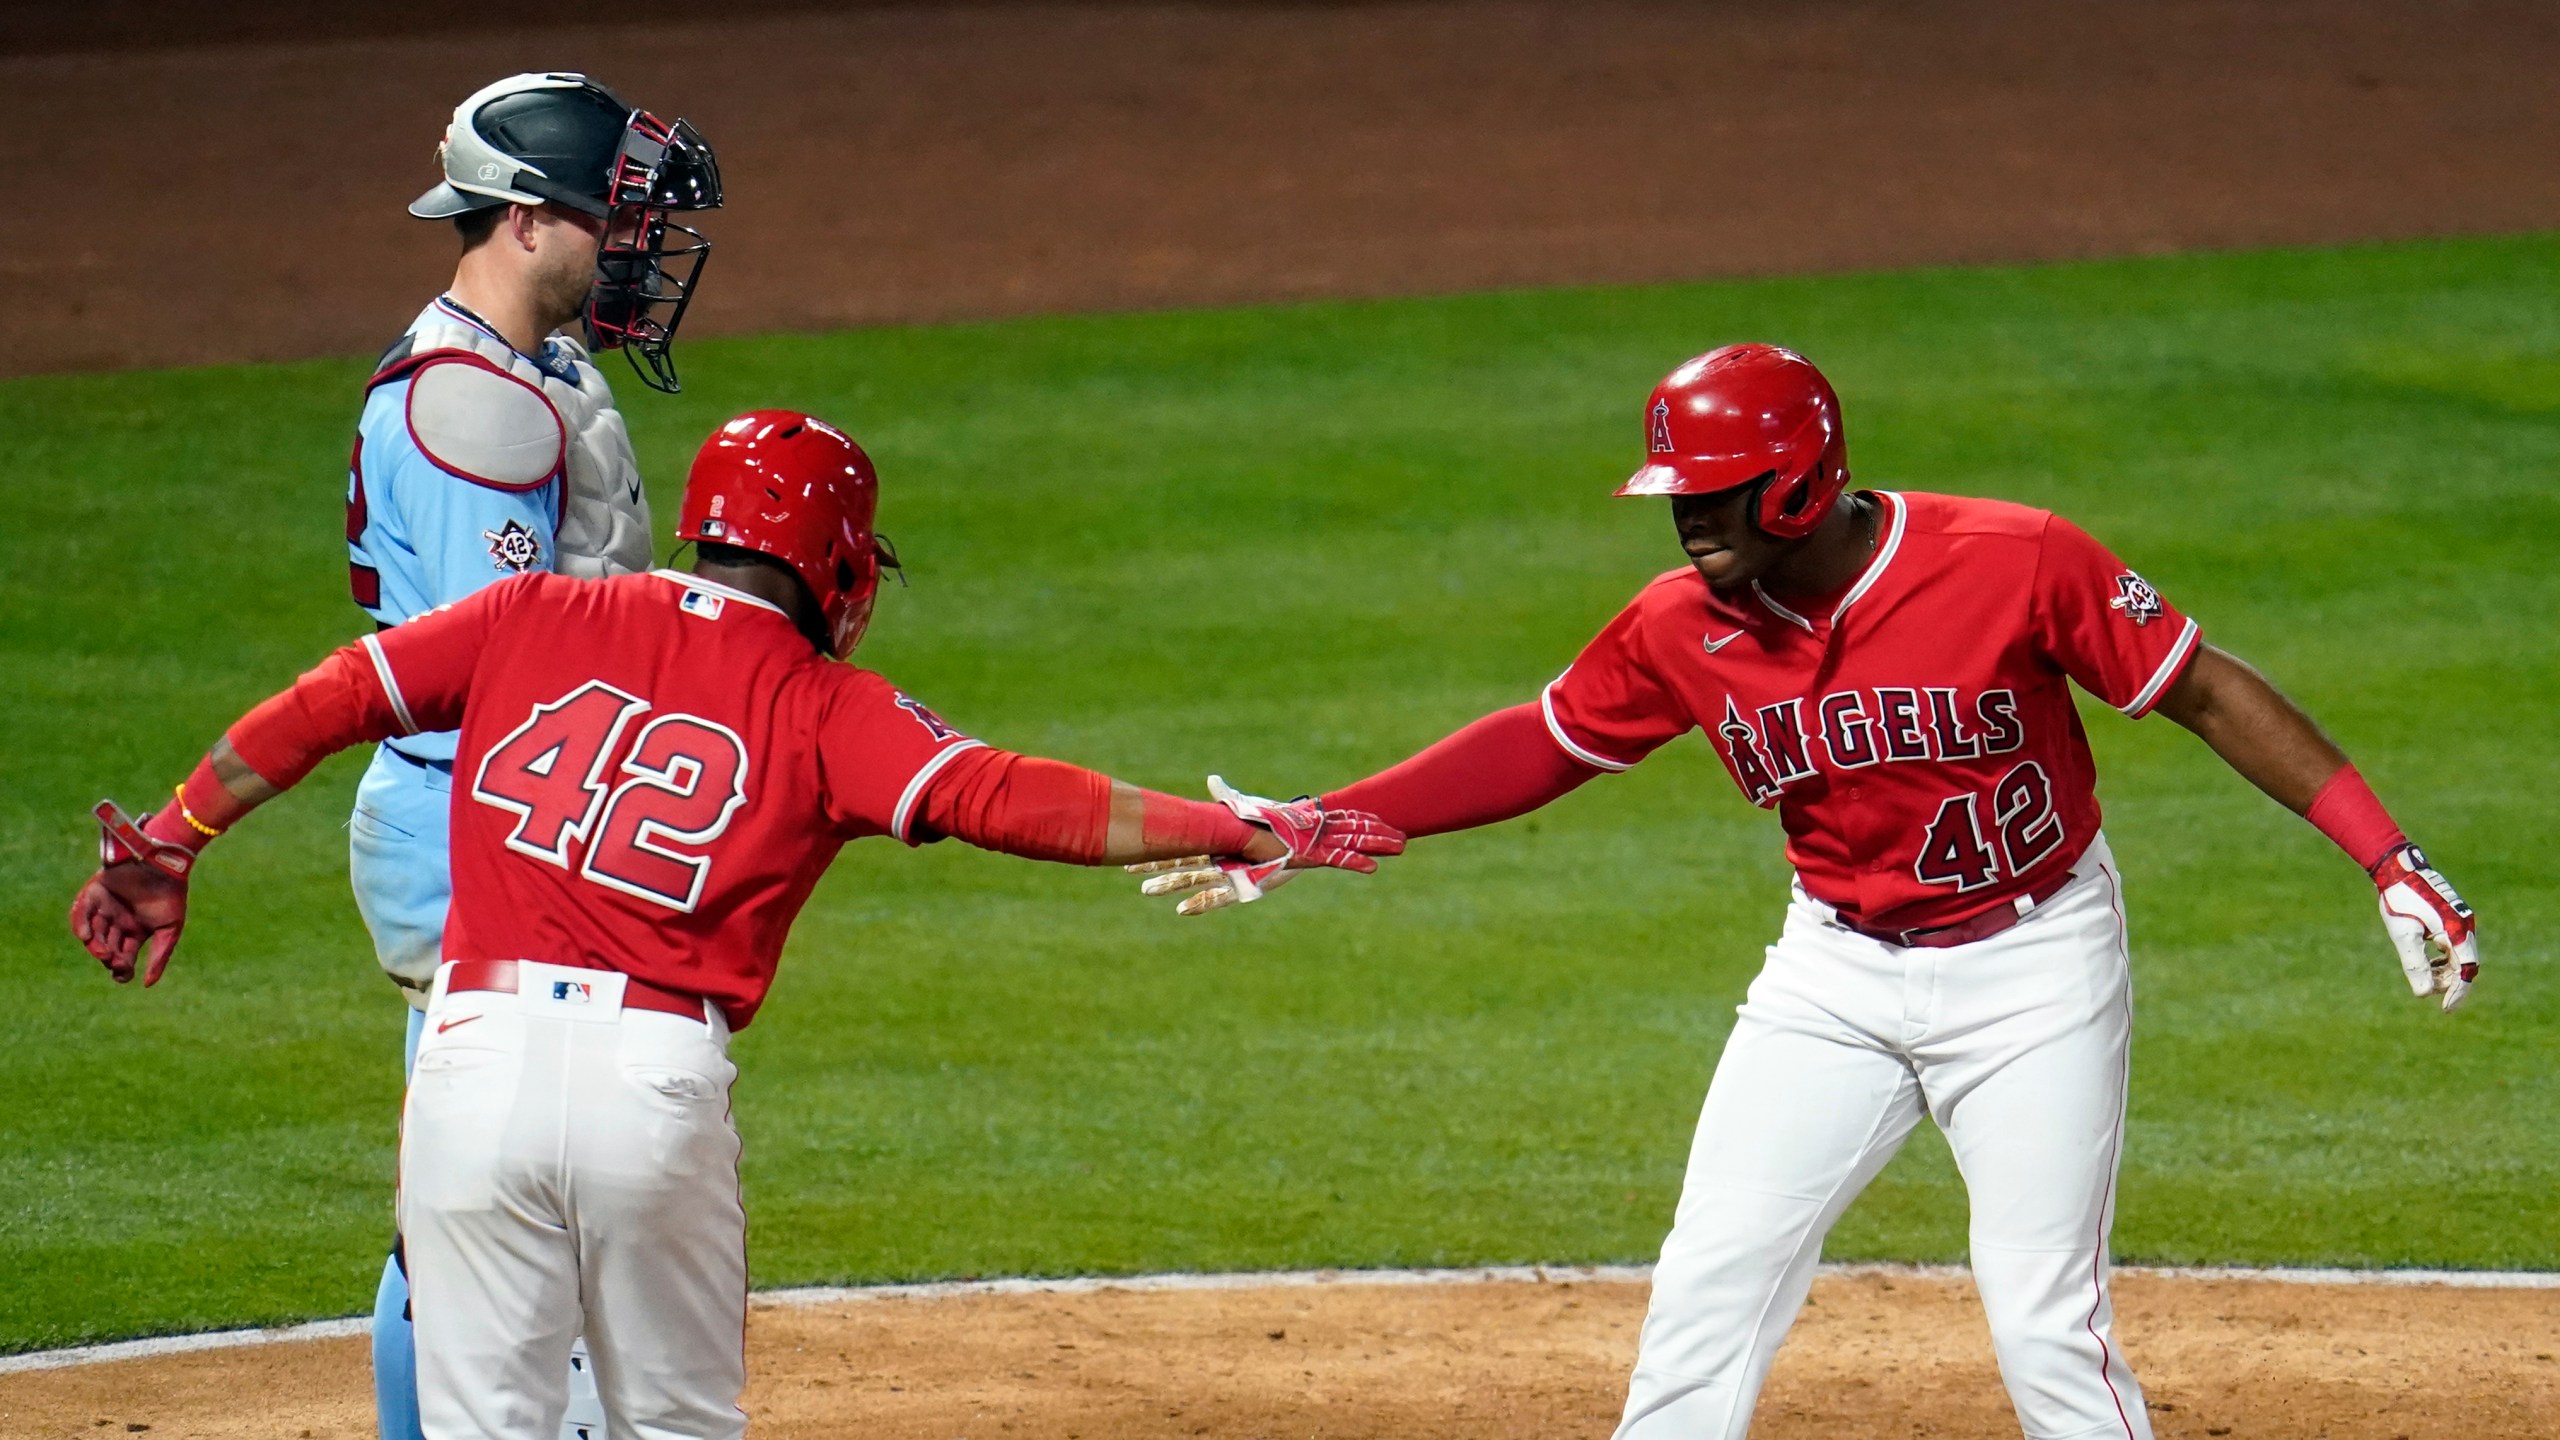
point(564, 139)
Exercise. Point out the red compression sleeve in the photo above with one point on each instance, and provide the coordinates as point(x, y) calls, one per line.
point(1503, 765)
point(1050, 810)
point(2347, 811)
point(204, 798)
point(1022, 805)
point(337, 703)
point(1176, 827)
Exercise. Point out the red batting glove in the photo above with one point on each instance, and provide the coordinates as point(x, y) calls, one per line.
point(2429, 925)
point(136, 904)
point(1317, 839)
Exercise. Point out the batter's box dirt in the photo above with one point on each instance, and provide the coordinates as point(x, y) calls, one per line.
point(1875, 1355)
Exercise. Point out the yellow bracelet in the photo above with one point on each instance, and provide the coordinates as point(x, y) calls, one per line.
point(189, 816)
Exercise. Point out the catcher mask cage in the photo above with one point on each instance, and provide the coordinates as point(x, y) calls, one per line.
point(555, 138)
point(648, 265)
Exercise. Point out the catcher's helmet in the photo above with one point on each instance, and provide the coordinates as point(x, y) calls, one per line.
point(798, 489)
point(1747, 415)
point(566, 140)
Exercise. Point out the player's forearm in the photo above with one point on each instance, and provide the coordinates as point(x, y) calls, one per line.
point(1502, 766)
point(1040, 809)
point(2278, 748)
point(268, 751)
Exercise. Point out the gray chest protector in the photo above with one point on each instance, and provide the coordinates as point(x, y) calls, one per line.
point(604, 514)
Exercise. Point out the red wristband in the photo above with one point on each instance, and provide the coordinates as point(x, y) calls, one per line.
point(2347, 811)
point(1175, 826)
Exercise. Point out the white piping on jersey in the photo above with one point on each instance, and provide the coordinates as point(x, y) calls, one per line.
point(696, 582)
point(2142, 703)
point(390, 686)
point(1783, 611)
point(1884, 554)
point(908, 797)
point(451, 307)
point(1866, 579)
point(1547, 707)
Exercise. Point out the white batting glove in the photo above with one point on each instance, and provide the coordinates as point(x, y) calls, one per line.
point(1212, 883)
point(2429, 925)
point(1317, 839)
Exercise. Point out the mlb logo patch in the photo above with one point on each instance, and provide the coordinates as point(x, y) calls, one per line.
point(703, 603)
point(575, 992)
point(2134, 596)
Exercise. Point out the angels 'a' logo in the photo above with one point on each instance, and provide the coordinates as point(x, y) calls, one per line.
point(2135, 597)
point(513, 548)
point(1657, 435)
point(939, 728)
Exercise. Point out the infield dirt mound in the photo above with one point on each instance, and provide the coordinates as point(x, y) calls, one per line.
point(1875, 1355)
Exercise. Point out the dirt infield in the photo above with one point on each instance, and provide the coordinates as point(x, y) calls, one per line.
point(243, 201)
point(1875, 1355)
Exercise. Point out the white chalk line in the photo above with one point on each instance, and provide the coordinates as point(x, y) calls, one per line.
point(815, 1295)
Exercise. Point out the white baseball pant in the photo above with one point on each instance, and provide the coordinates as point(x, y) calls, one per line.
point(565, 1161)
point(2016, 1046)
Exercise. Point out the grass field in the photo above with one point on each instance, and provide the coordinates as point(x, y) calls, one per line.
point(1293, 545)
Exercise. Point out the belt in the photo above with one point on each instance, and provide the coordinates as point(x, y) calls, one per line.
point(441, 767)
point(1964, 932)
point(500, 975)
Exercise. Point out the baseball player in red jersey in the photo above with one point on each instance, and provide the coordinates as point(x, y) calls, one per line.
point(1892, 673)
point(652, 772)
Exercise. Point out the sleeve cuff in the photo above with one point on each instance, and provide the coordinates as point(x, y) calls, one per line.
point(903, 817)
point(1555, 728)
point(2180, 655)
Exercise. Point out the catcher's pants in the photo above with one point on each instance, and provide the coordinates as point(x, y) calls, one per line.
point(2016, 1046)
point(564, 1160)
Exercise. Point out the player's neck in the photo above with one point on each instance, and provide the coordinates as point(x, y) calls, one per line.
point(1833, 555)
point(504, 306)
point(774, 586)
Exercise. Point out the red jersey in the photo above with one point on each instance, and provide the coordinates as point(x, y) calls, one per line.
point(1918, 739)
point(653, 772)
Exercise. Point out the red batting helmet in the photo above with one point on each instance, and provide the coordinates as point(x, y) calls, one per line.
point(1747, 415)
point(797, 489)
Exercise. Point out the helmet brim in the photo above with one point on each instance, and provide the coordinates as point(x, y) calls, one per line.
point(1698, 475)
point(444, 202)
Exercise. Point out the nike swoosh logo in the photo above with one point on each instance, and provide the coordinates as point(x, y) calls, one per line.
point(1714, 644)
point(443, 1026)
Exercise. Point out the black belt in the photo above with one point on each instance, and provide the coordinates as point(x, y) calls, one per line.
point(441, 767)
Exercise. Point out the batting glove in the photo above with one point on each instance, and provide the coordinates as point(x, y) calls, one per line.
point(2429, 925)
point(136, 905)
point(1317, 839)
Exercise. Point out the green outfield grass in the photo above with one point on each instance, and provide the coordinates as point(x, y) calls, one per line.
point(1293, 545)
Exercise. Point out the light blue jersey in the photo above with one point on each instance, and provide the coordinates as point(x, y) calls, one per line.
point(466, 458)
point(427, 523)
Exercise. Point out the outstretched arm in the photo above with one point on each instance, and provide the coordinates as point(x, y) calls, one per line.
point(136, 904)
point(1050, 810)
point(404, 680)
point(2276, 747)
point(2264, 736)
point(1504, 765)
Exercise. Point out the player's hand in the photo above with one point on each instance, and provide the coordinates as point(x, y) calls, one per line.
point(1312, 838)
point(135, 906)
point(2432, 929)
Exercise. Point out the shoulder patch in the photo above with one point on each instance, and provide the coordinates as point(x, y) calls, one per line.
point(480, 424)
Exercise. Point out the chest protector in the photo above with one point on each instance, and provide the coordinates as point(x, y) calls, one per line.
point(604, 514)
